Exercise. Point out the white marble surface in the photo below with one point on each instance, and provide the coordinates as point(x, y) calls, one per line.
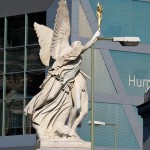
point(63, 145)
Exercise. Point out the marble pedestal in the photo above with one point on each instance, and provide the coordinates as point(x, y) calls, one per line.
point(48, 144)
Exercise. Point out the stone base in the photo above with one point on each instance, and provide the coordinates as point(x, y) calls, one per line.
point(62, 145)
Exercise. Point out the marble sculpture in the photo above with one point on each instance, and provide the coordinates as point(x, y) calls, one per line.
point(63, 92)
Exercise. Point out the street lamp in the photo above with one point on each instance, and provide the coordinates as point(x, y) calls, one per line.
point(98, 123)
point(124, 41)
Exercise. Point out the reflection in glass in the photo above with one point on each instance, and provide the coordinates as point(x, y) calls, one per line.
point(14, 86)
point(1, 115)
point(16, 31)
point(1, 87)
point(40, 18)
point(34, 80)
point(1, 32)
point(14, 104)
point(13, 117)
point(15, 60)
point(33, 59)
point(1, 61)
point(29, 128)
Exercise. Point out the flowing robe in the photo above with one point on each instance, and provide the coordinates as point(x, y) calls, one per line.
point(53, 112)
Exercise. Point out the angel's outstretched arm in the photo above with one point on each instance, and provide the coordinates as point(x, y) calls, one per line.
point(91, 41)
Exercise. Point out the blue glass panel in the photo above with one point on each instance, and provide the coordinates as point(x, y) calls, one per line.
point(104, 135)
point(125, 18)
point(103, 82)
point(133, 69)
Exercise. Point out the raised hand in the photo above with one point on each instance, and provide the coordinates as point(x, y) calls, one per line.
point(97, 34)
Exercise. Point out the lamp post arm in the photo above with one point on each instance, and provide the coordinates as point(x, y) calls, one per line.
point(99, 38)
point(115, 133)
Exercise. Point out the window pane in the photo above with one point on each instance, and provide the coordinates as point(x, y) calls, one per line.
point(14, 104)
point(29, 128)
point(1, 61)
point(1, 103)
point(15, 60)
point(34, 80)
point(40, 18)
point(1, 87)
point(16, 31)
point(15, 86)
point(13, 117)
point(33, 59)
point(1, 32)
point(1, 115)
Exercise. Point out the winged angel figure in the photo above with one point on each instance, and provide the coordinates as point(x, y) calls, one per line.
point(63, 92)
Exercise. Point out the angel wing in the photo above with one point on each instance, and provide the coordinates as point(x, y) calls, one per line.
point(44, 35)
point(51, 42)
point(61, 31)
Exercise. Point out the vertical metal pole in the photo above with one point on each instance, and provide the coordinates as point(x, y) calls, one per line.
point(4, 76)
point(115, 137)
point(92, 98)
point(25, 70)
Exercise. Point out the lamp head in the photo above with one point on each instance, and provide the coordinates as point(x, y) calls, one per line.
point(127, 41)
point(98, 123)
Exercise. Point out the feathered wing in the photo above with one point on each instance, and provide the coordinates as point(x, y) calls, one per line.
point(51, 42)
point(44, 35)
point(61, 30)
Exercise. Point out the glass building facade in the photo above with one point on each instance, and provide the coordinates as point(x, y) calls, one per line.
point(21, 71)
point(121, 73)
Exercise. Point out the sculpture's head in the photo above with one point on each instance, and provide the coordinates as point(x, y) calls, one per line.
point(76, 44)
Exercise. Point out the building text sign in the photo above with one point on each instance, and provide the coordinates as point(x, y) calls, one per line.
point(136, 82)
